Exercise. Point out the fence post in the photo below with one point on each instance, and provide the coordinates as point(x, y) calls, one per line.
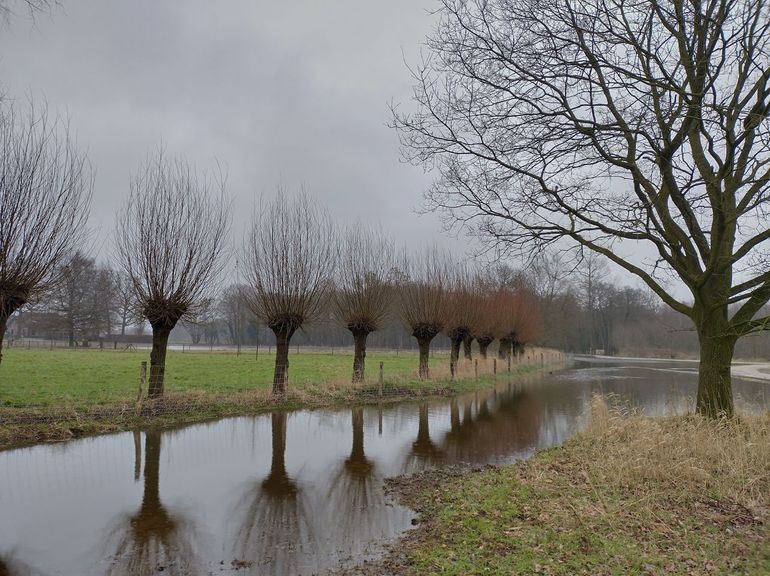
point(142, 383)
point(452, 369)
point(382, 377)
point(542, 360)
point(476, 367)
point(509, 361)
point(494, 366)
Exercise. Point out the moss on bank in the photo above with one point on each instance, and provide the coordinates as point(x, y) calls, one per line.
point(631, 495)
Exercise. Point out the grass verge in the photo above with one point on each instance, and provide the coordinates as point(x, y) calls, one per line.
point(631, 495)
point(58, 394)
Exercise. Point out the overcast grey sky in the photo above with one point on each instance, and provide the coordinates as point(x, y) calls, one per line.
point(285, 93)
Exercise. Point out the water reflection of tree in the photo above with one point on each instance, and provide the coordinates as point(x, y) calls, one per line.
point(504, 423)
point(154, 536)
point(356, 496)
point(424, 451)
point(275, 527)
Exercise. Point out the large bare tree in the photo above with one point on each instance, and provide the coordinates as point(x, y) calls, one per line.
point(636, 129)
point(363, 293)
point(422, 299)
point(289, 260)
point(45, 193)
point(170, 239)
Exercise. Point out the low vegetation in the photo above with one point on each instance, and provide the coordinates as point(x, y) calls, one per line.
point(631, 495)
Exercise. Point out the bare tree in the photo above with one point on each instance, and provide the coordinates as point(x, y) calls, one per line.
point(363, 293)
point(462, 316)
point(8, 8)
point(45, 193)
point(629, 129)
point(518, 319)
point(289, 261)
point(79, 299)
point(170, 238)
point(125, 301)
point(487, 315)
point(422, 300)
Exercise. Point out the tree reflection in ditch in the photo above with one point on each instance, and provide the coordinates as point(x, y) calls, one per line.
point(424, 451)
point(490, 425)
point(356, 497)
point(154, 538)
point(274, 524)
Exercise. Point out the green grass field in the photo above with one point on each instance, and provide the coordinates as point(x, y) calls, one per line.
point(60, 393)
point(82, 378)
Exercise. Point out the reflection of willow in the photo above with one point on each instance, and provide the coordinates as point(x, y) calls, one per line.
point(153, 536)
point(424, 452)
point(355, 497)
point(511, 425)
point(274, 527)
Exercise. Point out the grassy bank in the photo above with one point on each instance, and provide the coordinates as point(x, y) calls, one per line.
point(631, 495)
point(55, 394)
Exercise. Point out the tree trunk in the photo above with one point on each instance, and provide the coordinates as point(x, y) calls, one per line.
point(71, 334)
point(158, 360)
point(467, 341)
point(484, 343)
point(454, 352)
point(3, 327)
point(359, 354)
point(504, 349)
point(424, 346)
point(281, 374)
point(715, 393)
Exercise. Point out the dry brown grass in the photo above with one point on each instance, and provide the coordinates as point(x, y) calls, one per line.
point(683, 457)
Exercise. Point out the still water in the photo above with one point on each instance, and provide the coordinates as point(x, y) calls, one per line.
point(288, 493)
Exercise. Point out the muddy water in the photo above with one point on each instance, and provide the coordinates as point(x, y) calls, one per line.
point(287, 493)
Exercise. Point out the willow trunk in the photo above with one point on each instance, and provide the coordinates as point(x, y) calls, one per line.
point(281, 374)
point(467, 349)
point(158, 361)
point(359, 354)
point(423, 344)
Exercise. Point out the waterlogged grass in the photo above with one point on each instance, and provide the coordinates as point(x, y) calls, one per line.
point(630, 496)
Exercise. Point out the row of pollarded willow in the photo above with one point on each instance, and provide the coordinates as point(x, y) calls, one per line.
point(295, 264)
point(170, 240)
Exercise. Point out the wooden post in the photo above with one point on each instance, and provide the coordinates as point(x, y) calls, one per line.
point(476, 367)
point(509, 361)
point(452, 369)
point(382, 377)
point(494, 366)
point(142, 384)
point(542, 360)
